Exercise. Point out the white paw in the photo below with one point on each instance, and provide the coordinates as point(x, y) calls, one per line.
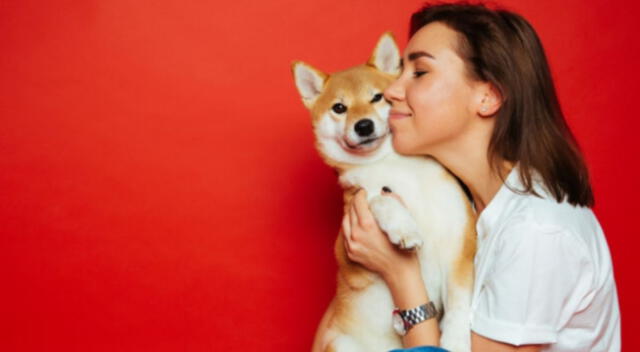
point(394, 219)
point(410, 242)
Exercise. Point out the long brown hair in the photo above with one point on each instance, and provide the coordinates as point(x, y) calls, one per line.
point(501, 47)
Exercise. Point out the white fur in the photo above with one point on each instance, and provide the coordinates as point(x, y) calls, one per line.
point(330, 131)
point(386, 57)
point(371, 308)
point(436, 213)
point(396, 222)
point(310, 82)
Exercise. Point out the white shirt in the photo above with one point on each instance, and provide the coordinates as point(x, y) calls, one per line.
point(543, 274)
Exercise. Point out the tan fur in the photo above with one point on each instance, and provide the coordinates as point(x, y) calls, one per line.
point(323, 337)
point(464, 271)
point(351, 275)
point(348, 84)
point(353, 87)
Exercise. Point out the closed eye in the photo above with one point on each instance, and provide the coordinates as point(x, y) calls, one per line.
point(419, 73)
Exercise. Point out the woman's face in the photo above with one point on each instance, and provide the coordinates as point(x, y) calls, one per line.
point(433, 102)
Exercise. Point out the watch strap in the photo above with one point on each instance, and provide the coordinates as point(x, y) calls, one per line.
point(414, 316)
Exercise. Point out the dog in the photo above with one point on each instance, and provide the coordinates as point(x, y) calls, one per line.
point(434, 217)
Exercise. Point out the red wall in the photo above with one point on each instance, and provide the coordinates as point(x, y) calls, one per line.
point(159, 189)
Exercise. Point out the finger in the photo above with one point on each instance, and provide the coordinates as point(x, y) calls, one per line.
point(346, 226)
point(365, 218)
point(353, 221)
point(347, 237)
point(349, 251)
point(347, 245)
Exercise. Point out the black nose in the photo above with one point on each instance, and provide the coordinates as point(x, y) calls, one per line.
point(364, 127)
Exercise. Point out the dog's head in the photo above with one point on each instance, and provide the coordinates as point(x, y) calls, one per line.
point(348, 109)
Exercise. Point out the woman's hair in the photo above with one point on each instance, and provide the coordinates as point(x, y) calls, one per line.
point(502, 48)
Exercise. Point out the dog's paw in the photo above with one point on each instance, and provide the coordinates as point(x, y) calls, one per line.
point(394, 219)
point(410, 243)
point(405, 236)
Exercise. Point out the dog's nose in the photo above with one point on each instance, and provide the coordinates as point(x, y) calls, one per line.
point(364, 127)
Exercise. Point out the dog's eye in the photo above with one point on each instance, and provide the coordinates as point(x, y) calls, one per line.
point(376, 98)
point(339, 108)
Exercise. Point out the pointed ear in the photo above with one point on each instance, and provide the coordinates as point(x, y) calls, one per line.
point(386, 55)
point(309, 81)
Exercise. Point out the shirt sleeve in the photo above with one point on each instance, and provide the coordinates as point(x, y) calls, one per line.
point(537, 281)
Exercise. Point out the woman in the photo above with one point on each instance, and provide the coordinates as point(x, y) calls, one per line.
point(476, 94)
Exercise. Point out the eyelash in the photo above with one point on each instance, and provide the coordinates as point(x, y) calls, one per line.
point(417, 74)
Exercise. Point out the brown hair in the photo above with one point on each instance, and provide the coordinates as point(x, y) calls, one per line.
point(501, 47)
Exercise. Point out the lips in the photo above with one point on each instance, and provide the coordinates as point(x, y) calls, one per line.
point(395, 114)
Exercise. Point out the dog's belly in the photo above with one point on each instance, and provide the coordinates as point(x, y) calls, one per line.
point(366, 325)
point(432, 196)
point(440, 208)
point(369, 319)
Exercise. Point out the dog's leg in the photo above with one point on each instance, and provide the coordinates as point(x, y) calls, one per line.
point(456, 323)
point(394, 219)
point(344, 343)
point(324, 334)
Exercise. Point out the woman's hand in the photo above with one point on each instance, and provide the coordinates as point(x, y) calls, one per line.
point(368, 245)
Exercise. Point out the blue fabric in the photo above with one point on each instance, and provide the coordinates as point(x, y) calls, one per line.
point(421, 349)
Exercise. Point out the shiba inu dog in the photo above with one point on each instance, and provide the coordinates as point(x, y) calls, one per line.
point(435, 218)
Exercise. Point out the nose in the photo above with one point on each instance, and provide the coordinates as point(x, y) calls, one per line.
point(364, 127)
point(395, 91)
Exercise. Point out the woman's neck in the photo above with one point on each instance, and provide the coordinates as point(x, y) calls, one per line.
point(483, 182)
point(466, 156)
point(472, 166)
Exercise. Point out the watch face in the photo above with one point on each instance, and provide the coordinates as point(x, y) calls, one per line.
point(398, 324)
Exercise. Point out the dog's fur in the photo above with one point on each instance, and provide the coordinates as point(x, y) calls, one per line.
point(435, 217)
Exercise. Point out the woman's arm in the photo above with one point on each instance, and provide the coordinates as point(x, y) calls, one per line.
point(368, 245)
point(482, 344)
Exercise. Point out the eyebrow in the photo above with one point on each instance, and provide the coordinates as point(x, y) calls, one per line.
point(415, 55)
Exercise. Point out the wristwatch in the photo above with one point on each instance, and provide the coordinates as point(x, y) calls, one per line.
point(403, 320)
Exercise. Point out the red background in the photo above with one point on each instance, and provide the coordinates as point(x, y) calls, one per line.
point(159, 189)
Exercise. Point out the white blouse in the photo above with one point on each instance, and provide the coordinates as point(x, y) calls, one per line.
point(543, 274)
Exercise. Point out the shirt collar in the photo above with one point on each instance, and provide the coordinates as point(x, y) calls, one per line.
point(491, 214)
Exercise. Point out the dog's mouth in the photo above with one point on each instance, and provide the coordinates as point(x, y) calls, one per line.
point(364, 146)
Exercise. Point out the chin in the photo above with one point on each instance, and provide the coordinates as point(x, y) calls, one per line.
point(402, 147)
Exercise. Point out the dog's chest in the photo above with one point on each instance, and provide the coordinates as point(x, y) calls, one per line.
point(411, 178)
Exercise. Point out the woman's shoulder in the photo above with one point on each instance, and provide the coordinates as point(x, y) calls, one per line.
point(539, 209)
point(545, 212)
point(541, 223)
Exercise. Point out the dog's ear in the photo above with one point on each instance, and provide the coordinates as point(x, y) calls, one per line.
point(309, 81)
point(386, 55)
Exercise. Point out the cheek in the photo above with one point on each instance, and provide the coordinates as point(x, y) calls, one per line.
point(430, 97)
point(438, 116)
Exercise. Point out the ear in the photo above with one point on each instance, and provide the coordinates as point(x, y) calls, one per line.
point(309, 81)
point(386, 55)
point(489, 100)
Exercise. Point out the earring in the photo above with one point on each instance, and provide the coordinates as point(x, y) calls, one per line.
point(483, 109)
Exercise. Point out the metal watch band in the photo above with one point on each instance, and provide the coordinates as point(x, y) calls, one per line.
point(418, 314)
